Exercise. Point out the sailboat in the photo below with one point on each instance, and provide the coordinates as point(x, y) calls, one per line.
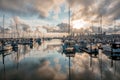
point(5, 45)
point(15, 41)
point(68, 46)
point(115, 48)
point(92, 47)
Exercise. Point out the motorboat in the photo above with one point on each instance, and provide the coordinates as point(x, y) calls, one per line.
point(92, 49)
point(69, 47)
point(115, 50)
point(7, 47)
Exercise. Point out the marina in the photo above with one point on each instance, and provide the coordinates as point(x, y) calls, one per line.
point(59, 65)
point(59, 40)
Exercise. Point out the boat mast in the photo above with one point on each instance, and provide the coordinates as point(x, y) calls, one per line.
point(114, 29)
point(100, 28)
point(17, 31)
point(3, 25)
point(101, 25)
point(114, 26)
point(69, 29)
point(92, 28)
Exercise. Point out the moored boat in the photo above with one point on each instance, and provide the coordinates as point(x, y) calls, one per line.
point(69, 47)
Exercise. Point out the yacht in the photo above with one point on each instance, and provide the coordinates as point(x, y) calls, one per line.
point(69, 47)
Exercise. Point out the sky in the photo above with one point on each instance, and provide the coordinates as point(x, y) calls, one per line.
point(84, 13)
point(34, 12)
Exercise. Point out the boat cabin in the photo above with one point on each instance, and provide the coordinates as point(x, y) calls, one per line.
point(69, 47)
point(115, 48)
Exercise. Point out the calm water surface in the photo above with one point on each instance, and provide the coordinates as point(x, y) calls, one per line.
point(47, 62)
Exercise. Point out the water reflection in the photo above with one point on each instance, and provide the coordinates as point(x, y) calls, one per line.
point(46, 62)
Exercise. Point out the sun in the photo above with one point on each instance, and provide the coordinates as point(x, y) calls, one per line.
point(78, 24)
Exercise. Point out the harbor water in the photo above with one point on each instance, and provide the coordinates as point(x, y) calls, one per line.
point(47, 62)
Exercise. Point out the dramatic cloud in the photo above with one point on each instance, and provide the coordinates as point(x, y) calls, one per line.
point(30, 7)
point(63, 27)
point(88, 11)
point(80, 8)
point(92, 10)
point(18, 24)
point(51, 28)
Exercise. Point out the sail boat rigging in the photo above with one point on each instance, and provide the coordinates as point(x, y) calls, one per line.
point(69, 30)
point(5, 45)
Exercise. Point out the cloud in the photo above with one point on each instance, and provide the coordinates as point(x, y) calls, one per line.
point(20, 24)
point(63, 27)
point(4, 30)
point(92, 10)
point(87, 10)
point(25, 27)
point(1, 29)
point(16, 20)
point(30, 7)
